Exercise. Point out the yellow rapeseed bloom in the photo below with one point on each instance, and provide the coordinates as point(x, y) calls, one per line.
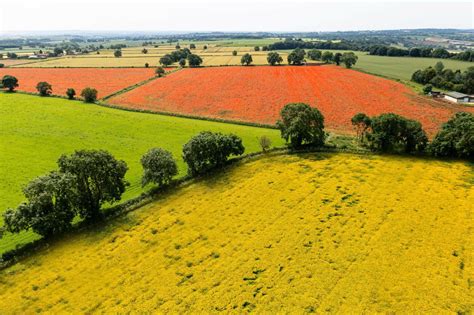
point(310, 233)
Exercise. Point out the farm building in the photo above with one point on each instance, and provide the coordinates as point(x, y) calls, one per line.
point(457, 97)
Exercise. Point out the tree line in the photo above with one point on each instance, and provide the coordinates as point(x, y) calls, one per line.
point(298, 57)
point(378, 50)
point(443, 78)
point(426, 52)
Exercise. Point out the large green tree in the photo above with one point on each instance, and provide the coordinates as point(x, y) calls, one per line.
point(50, 206)
point(208, 150)
point(301, 123)
point(274, 58)
point(314, 54)
point(296, 57)
point(99, 178)
point(246, 59)
point(159, 167)
point(349, 59)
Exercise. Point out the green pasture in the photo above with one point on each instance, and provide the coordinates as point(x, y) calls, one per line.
point(35, 131)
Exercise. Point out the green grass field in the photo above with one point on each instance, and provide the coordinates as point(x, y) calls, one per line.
point(401, 68)
point(35, 131)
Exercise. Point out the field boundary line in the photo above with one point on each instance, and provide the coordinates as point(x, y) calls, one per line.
point(134, 86)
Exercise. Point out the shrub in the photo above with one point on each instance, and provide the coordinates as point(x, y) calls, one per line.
point(118, 53)
point(301, 123)
point(2, 65)
point(44, 88)
point(427, 89)
point(182, 62)
point(394, 133)
point(456, 137)
point(234, 53)
point(9, 82)
point(265, 143)
point(159, 167)
point(208, 150)
point(99, 178)
point(147, 65)
point(71, 93)
point(50, 206)
point(89, 95)
point(256, 48)
point(159, 71)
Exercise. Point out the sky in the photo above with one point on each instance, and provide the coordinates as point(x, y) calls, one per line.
point(232, 15)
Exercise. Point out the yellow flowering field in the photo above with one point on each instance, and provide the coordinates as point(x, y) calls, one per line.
point(281, 234)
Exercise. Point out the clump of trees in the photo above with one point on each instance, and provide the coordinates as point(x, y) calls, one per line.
point(390, 133)
point(9, 82)
point(159, 167)
point(301, 124)
point(296, 57)
point(448, 79)
point(456, 137)
point(89, 95)
point(246, 59)
point(44, 88)
point(208, 150)
point(397, 134)
point(274, 58)
point(85, 181)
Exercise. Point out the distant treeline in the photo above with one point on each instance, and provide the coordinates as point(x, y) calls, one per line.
point(426, 52)
point(293, 44)
point(378, 50)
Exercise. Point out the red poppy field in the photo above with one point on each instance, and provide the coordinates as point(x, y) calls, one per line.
point(256, 94)
point(105, 81)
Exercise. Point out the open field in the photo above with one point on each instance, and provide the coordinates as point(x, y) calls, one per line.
point(35, 131)
point(257, 94)
point(106, 81)
point(308, 233)
point(134, 58)
point(401, 68)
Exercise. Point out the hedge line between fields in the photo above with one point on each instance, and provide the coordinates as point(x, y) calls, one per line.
point(10, 257)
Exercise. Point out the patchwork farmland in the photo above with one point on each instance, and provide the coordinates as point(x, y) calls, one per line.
point(106, 81)
point(177, 191)
point(238, 241)
point(256, 94)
